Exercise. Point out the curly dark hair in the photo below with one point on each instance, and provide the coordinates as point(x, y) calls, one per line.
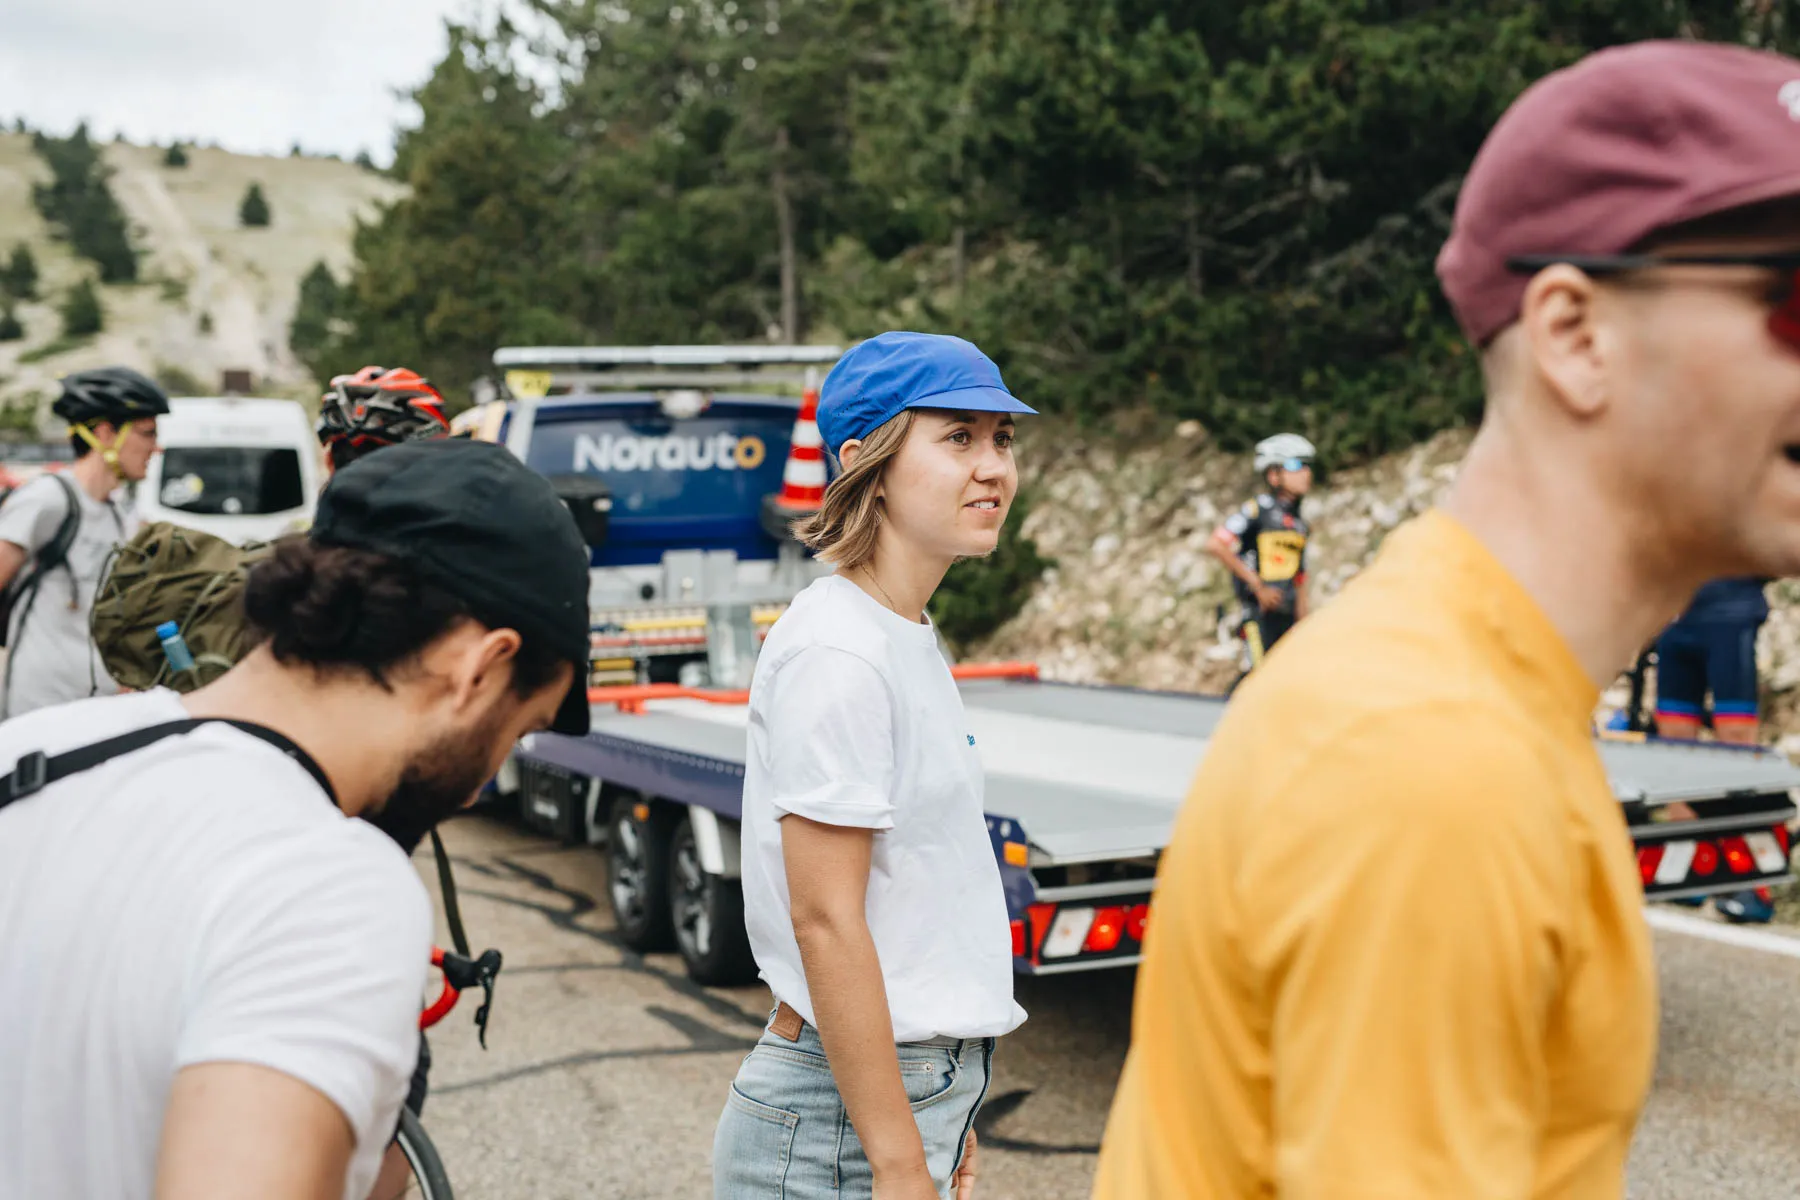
point(337, 608)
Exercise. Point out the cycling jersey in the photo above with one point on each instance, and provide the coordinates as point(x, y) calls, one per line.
point(1271, 536)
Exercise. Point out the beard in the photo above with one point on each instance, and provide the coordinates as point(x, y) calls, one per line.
point(439, 783)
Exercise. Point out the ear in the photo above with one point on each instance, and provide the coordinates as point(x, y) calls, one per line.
point(1566, 339)
point(478, 662)
point(848, 451)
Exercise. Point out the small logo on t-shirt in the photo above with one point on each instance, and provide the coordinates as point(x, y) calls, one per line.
point(971, 739)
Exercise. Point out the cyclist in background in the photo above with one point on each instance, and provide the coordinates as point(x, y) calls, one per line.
point(376, 407)
point(1711, 648)
point(1263, 544)
point(371, 408)
point(57, 532)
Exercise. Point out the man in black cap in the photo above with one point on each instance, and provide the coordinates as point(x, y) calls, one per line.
point(211, 974)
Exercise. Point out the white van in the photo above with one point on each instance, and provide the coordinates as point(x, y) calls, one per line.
point(241, 468)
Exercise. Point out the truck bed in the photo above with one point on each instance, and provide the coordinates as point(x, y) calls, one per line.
point(1089, 773)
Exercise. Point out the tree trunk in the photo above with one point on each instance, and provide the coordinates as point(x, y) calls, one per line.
point(784, 224)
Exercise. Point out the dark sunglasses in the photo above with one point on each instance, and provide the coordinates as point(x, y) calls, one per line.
point(1784, 295)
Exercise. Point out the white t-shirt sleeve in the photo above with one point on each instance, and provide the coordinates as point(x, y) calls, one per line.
point(831, 738)
point(314, 965)
point(30, 516)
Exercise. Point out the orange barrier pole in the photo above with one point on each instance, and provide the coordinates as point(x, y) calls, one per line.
point(631, 697)
point(994, 670)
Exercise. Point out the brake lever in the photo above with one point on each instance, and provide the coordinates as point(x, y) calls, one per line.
point(487, 968)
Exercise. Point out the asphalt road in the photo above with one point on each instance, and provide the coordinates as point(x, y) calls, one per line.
point(605, 1070)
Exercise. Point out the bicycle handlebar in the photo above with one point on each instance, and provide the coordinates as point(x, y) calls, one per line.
point(460, 974)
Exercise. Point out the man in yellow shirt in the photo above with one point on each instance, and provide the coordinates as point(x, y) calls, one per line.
point(1398, 949)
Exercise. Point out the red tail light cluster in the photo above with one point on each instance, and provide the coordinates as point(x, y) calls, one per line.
point(1052, 932)
point(1683, 861)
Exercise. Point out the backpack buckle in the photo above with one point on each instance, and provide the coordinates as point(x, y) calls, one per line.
point(28, 776)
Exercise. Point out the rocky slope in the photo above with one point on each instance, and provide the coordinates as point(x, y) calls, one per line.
point(1134, 598)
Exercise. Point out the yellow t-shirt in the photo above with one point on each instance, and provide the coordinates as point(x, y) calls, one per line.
point(1397, 948)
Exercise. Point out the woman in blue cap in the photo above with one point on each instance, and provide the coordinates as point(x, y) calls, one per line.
point(871, 896)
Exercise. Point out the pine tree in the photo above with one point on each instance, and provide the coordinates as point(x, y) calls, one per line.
point(79, 202)
point(176, 157)
point(10, 328)
point(311, 328)
point(81, 311)
point(20, 278)
point(254, 211)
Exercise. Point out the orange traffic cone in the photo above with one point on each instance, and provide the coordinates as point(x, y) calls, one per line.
point(803, 479)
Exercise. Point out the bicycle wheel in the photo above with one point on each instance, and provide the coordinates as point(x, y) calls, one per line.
point(429, 1180)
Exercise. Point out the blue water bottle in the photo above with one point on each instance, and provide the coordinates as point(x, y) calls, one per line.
point(174, 648)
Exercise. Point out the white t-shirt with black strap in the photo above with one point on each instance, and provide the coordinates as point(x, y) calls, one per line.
point(200, 900)
point(52, 654)
point(854, 720)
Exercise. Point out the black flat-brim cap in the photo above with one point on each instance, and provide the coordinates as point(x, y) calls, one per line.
point(473, 519)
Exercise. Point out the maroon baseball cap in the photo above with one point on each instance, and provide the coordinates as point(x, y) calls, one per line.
point(1594, 158)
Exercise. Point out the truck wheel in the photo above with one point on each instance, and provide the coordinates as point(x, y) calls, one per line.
point(709, 917)
point(637, 871)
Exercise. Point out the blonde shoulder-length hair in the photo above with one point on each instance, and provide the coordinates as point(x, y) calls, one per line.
point(843, 531)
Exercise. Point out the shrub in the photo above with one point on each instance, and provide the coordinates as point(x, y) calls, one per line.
point(20, 278)
point(253, 213)
point(81, 311)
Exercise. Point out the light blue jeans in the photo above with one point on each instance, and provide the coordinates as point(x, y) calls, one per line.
point(784, 1134)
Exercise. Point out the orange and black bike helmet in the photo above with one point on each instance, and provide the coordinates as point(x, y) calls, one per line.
point(376, 407)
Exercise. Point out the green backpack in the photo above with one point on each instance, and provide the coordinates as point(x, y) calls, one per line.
point(171, 573)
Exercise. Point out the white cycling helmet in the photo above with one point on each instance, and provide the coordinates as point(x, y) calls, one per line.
point(1273, 451)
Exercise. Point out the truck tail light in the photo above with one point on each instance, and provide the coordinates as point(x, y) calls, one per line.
point(1037, 925)
point(1737, 855)
point(1104, 934)
point(1068, 932)
point(1649, 858)
point(1137, 922)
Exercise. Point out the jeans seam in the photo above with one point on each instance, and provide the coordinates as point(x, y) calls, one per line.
point(987, 1077)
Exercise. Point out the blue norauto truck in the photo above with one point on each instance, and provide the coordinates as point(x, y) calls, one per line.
point(1082, 782)
point(672, 459)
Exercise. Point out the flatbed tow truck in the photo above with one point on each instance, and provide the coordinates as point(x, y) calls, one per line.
point(669, 457)
point(1083, 783)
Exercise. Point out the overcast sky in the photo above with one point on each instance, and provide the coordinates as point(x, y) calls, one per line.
point(255, 77)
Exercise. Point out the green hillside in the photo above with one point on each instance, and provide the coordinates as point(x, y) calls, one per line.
point(210, 296)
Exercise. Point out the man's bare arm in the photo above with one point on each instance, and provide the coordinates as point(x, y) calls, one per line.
point(237, 1129)
point(12, 557)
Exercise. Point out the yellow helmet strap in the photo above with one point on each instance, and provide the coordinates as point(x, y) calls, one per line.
point(108, 454)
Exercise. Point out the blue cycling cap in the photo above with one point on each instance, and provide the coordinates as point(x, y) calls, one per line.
point(891, 372)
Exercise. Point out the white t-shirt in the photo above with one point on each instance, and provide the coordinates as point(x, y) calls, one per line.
point(854, 720)
point(53, 660)
point(201, 900)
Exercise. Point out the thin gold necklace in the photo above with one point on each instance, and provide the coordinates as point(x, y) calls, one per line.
point(892, 607)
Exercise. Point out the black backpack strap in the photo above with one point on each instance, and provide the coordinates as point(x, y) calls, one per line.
point(56, 553)
point(36, 771)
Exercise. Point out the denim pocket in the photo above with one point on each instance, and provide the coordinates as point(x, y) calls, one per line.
point(928, 1079)
point(752, 1149)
